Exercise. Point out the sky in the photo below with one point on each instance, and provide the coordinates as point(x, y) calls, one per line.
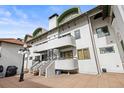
point(16, 21)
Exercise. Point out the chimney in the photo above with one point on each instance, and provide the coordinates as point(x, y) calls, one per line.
point(53, 21)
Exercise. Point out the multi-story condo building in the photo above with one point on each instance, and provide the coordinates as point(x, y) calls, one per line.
point(90, 42)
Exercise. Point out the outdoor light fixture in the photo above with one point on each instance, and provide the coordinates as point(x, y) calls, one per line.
point(23, 51)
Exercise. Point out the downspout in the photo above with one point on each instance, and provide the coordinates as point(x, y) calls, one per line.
point(94, 45)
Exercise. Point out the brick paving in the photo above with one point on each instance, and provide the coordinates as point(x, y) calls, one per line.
point(107, 80)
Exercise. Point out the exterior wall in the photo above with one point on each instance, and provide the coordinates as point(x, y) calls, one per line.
point(26, 61)
point(111, 61)
point(85, 66)
point(30, 61)
point(53, 34)
point(118, 27)
point(118, 22)
point(10, 56)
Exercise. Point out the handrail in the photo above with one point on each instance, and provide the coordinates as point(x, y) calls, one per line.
point(47, 65)
point(39, 65)
point(35, 64)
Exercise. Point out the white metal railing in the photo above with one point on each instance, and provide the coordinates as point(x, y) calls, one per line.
point(66, 64)
point(56, 43)
point(43, 67)
point(48, 68)
point(53, 39)
point(34, 65)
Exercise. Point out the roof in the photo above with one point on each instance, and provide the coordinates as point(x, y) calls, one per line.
point(67, 12)
point(82, 14)
point(11, 40)
point(29, 35)
point(26, 36)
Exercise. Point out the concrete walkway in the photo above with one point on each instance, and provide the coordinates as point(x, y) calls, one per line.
point(107, 80)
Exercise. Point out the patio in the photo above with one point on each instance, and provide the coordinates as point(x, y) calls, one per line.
point(107, 80)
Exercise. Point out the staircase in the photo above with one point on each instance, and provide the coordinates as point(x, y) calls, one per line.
point(34, 66)
point(45, 67)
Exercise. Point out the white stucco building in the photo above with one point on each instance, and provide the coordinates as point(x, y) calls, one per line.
point(9, 56)
point(89, 42)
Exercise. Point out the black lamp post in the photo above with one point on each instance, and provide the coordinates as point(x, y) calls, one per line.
point(23, 51)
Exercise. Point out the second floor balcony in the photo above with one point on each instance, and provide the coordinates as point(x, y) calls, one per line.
point(58, 42)
point(66, 64)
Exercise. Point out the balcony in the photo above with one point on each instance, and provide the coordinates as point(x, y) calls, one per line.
point(67, 64)
point(62, 41)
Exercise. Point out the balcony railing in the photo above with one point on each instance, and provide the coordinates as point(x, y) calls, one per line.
point(61, 41)
point(66, 64)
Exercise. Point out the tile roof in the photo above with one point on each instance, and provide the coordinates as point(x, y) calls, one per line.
point(11, 40)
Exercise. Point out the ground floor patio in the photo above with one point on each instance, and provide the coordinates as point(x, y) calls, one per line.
point(107, 80)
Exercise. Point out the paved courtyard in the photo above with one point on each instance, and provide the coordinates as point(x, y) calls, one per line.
point(107, 80)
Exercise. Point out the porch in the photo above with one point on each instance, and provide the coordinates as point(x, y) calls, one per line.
point(64, 58)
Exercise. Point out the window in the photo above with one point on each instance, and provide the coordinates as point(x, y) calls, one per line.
point(86, 53)
point(122, 44)
point(83, 54)
point(102, 31)
point(77, 34)
point(106, 50)
point(66, 54)
point(80, 54)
